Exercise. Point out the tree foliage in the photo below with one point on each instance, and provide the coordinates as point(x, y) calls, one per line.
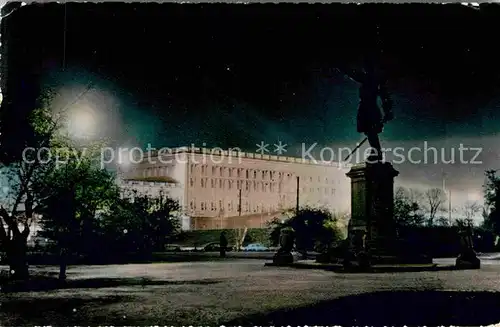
point(442, 221)
point(140, 223)
point(315, 229)
point(463, 223)
point(20, 198)
point(76, 195)
point(470, 210)
point(407, 208)
point(491, 214)
point(80, 203)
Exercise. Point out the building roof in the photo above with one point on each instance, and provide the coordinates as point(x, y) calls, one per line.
point(236, 152)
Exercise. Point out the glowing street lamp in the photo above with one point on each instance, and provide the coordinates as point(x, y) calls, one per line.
point(82, 118)
point(82, 122)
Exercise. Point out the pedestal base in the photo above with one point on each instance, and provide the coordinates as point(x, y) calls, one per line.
point(399, 260)
point(402, 252)
point(283, 258)
point(363, 260)
point(367, 260)
point(468, 261)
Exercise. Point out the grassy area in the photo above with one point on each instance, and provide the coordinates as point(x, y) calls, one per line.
point(201, 237)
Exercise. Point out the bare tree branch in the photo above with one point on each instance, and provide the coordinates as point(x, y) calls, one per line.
point(435, 198)
point(470, 210)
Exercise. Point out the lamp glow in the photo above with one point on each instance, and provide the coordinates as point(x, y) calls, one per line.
point(82, 122)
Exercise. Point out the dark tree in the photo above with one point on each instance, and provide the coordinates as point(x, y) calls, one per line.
point(492, 202)
point(314, 229)
point(407, 208)
point(435, 198)
point(71, 200)
point(21, 175)
point(141, 223)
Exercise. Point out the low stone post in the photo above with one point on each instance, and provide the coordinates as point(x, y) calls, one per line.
point(284, 254)
point(467, 259)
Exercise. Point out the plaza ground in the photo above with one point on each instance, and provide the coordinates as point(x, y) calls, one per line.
point(245, 292)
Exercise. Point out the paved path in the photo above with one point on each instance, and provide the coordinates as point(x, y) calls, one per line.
point(214, 293)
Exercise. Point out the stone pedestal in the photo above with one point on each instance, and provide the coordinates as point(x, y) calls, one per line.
point(282, 258)
point(372, 206)
point(468, 260)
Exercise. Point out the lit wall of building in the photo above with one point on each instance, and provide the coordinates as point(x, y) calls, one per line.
point(208, 184)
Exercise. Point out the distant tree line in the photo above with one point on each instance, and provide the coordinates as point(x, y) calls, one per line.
point(415, 210)
point(429, 208)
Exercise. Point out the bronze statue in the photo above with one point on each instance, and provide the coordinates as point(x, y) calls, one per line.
point(369, 118)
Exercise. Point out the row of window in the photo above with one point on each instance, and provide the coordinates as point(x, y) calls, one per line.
point(239, 172)
point(325, 190)
point(155, 171)
point(219, 171)
point(232, 206)
point(239, 185)
point(144, 183)
point(254, 186)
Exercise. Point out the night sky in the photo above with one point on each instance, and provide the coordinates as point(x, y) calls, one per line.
point(236, 75)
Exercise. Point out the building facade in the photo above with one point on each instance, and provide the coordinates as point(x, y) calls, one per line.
point(211, 185)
